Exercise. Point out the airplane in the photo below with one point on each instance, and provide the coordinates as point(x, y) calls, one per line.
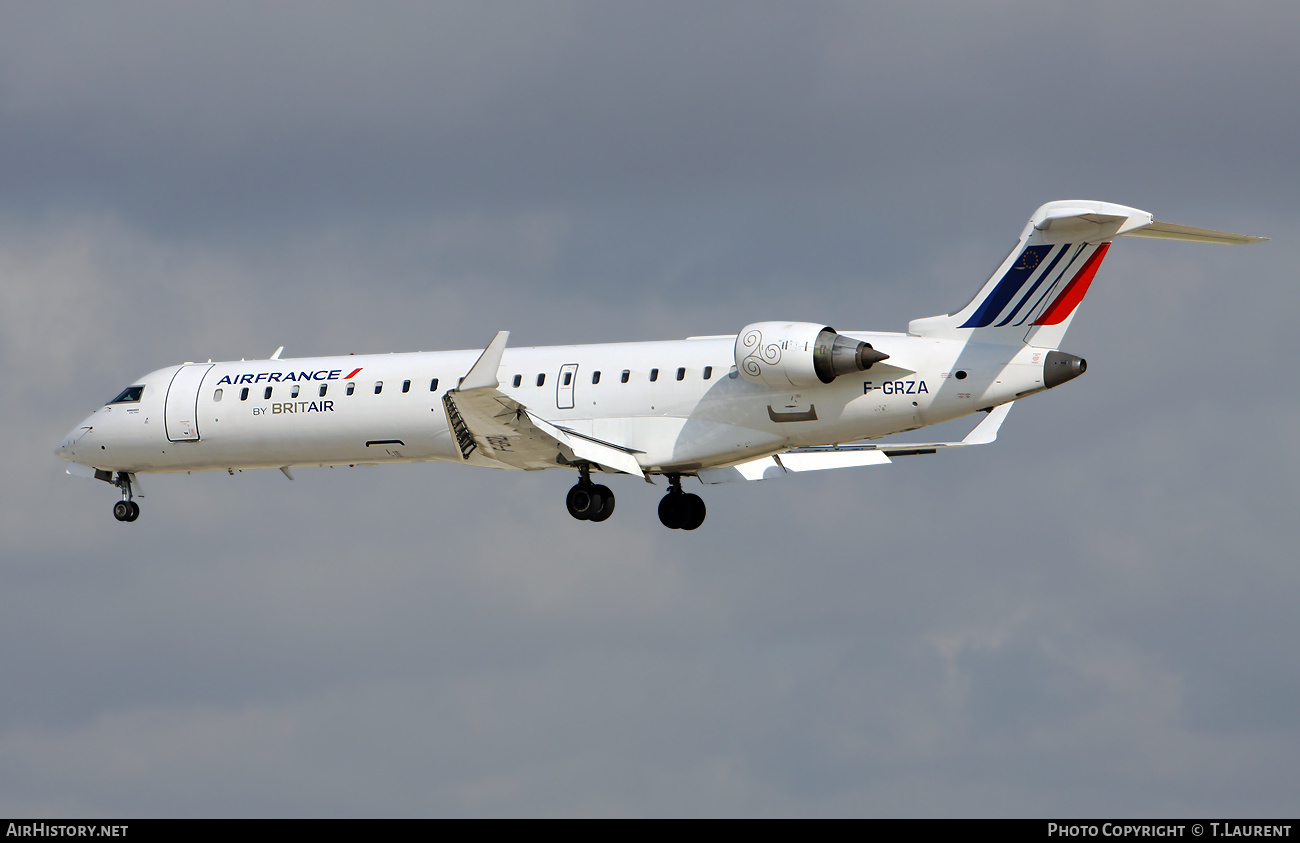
point(775, 399)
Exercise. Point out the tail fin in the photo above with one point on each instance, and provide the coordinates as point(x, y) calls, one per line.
point(1033, 295)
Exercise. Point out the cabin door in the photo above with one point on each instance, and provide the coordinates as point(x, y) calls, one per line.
point(564, 386)
point(182, 414)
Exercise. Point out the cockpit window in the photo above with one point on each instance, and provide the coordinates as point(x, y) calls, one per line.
point(131, 393)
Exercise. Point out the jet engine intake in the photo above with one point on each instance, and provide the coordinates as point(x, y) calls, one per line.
point(799, 354)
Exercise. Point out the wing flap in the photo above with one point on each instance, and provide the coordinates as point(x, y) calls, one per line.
point(587, 448)
point(792, 462)
point(763, 468)
point(489, 425)
point(849, 456)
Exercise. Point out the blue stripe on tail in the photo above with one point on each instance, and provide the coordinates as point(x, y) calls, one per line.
point(1046, 272)
point(1010, 284)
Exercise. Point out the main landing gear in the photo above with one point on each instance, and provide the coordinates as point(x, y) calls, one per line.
point(679, 510)
point(126, 509)
point(587, 501)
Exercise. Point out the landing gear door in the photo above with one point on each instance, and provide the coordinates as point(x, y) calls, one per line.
point(182, 414)
point(564, 386)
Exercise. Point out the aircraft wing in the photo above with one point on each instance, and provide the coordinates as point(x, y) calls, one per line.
point(490, 425)
point(848, 456)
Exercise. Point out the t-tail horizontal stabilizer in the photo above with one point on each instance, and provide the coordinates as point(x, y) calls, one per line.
point(1032, 297)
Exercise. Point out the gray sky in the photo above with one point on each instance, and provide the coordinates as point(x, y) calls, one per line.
point(1093, 616)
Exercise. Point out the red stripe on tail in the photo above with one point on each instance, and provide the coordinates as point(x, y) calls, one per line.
point(1074, 292)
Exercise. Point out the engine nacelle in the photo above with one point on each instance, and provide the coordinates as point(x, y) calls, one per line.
point(799, 354)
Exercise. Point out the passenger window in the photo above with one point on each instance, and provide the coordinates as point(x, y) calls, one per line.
point(243, 394)
point(352, 387)
point(433, 385)
point(627, 373)
point(266, 393)
point(681, 374)
point(708, 372)
point(654, 375)
point(595, 377)
point(379, 387)
point(131, 393)
point(323, 387)
point(216, 396)
point(293, 393)
point(541, 379)
point(406, 386)
point(518, 380)
point(568, 378)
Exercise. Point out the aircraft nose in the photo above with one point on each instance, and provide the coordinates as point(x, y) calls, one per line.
point(66, 449)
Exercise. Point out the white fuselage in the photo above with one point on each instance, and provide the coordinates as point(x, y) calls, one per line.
point(761, 404)
point(369, 409)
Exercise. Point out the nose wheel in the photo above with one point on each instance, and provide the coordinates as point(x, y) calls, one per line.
point(589, 501)
point(126, 510)
point(679, 510)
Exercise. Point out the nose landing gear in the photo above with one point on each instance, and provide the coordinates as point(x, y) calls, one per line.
point(126, 509)
point(588, 501)
point(679, 510)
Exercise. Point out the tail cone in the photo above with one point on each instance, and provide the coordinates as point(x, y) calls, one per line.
point(1060, 367)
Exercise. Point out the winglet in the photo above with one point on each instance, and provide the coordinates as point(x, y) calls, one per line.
point(275, 356)
point(987, 430)
point(484, 372)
